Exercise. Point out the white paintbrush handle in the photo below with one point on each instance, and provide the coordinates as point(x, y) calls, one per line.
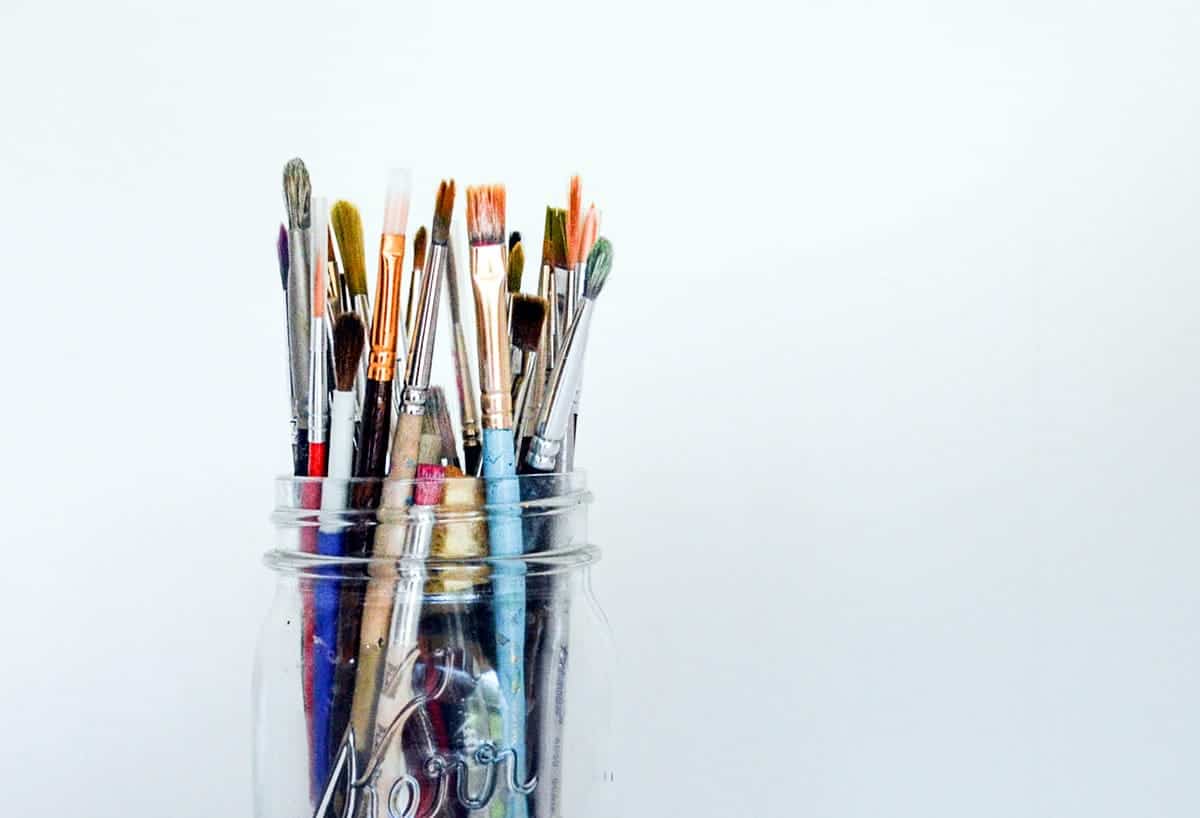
point(336, 491)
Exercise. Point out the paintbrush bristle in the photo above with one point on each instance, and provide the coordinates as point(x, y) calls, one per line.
point(320, 261)
point(349, 336)
point(514, 238)
point(599, 263)
point(281, 250)
point(528, 315)
point(558, 238)
point(485, 214)
point(516, 267)
point(589, 231)
point(297, 194)
point(419, 248)
point(547, 237)
point(443, 211)
point(574, 222)
point(348, 231)
point(395, 211)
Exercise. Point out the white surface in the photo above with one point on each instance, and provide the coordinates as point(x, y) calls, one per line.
point(929, 271)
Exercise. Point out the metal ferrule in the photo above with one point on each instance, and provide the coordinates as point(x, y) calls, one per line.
point(317, 408)
point(489, 282)
point(559, 401)
point(420, 354)
point(523, 391)
point(466, 389)
point(575, 291)
point(412, 400)
point(562, 279)
point(299, 304)
point(547, 290)
point(362, 306)
point(385, 325)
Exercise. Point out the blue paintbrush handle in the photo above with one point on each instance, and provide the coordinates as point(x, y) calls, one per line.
point(508, 576)
point(325, 628)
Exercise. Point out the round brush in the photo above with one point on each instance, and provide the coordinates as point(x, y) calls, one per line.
point(560, 397)
point(297, 195)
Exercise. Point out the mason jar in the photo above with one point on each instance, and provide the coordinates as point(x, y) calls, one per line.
point(437, 680)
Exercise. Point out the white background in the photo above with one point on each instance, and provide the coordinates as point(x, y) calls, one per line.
point(891, 412)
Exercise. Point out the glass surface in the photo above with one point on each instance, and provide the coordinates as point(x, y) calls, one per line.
point(402, 671)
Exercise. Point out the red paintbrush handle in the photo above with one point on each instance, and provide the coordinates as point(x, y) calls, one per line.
point(316, 460)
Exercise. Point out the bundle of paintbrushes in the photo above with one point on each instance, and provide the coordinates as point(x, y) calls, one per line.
point(367, 418)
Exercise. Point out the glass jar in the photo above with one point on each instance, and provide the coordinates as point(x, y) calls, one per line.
point(437, 681)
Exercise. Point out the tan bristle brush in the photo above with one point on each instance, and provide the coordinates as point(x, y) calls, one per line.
point(348, 236)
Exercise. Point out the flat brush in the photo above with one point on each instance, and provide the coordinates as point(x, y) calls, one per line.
point(437, 409)
point(560, 396)
point(464, 378)
point(348, 235)
point(297, 196)
point(528, 321)
point(485, 225)
point(348, 340)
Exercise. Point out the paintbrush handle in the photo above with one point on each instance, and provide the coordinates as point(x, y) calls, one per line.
point(373, 446)
point(508, 579)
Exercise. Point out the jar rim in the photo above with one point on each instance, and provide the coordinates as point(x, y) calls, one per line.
point(312, 508)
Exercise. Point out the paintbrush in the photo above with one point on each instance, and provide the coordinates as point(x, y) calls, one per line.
point(439, 412)
point(588, 232)
point(348, 234)
point(348, 338)
point(406, 444)
point(562, 276)
point(371, 460)
point(414, 285)
point(464, 377)
point(485, 225)
point(514, 238)
point(318, 390)
point(527, 322)
point(297, 195)
point(419, 365)
point(559, 401)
